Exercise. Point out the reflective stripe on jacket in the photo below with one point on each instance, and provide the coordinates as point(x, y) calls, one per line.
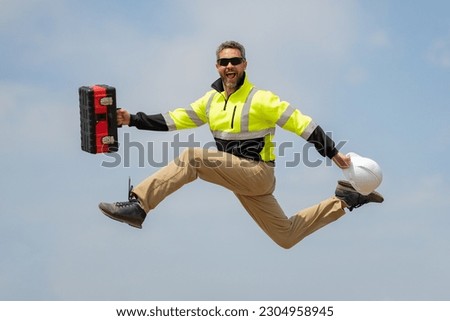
point(244, 123)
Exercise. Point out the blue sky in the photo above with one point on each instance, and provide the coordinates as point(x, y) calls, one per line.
point(375, 74)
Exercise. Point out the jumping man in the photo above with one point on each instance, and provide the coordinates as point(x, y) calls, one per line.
point(242, 119)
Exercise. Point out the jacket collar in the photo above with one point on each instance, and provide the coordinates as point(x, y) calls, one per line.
point(218, 84)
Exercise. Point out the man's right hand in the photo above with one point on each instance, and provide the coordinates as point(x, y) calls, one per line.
point(123, 117)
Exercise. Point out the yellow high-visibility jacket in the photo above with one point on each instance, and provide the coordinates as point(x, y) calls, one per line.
point(242, 124)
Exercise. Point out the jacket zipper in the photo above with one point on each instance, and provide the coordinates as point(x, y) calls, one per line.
point(232, 117)
point(226, 101)
point(225, 105)
point(234, 110)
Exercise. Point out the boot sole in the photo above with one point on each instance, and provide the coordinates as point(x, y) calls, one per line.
point(374, 196)
point(118, 220)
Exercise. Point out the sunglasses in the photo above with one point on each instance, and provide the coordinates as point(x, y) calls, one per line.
point(234, 61)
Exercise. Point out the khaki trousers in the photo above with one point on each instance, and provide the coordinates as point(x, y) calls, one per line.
point(252, 182)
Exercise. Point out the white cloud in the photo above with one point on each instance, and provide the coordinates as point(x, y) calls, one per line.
point(317, 27)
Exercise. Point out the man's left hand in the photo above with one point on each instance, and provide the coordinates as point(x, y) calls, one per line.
point(342, 161)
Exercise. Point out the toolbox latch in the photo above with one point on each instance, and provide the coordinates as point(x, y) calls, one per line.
point(106, 101)
point(108, 140)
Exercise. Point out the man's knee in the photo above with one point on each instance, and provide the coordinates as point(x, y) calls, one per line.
point(285, 243)
point(189, 157)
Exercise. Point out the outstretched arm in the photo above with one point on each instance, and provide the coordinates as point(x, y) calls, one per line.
point(141, 120)
point(326, 147)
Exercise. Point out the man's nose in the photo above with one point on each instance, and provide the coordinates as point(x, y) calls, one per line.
point(229, 65)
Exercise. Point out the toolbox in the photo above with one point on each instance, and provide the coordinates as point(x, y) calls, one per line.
point(98, 119)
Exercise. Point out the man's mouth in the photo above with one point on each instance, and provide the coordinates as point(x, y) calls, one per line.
point(230, 75)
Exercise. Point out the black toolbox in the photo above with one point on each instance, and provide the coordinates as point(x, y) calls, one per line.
point(98, 120)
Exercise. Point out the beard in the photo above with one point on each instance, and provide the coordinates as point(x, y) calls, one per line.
point(232, 83)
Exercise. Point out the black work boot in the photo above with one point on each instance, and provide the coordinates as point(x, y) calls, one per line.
point(345, 192)
point(130, 212)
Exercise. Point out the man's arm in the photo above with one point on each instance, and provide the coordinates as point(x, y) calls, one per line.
point(326, 147)
point(141, 120)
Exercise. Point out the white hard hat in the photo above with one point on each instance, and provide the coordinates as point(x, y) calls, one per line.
point(364, 174)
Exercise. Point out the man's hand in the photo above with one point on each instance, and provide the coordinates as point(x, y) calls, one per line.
point(123, 117)
point(342, 161)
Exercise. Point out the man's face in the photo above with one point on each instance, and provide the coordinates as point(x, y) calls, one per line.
point(231, 71)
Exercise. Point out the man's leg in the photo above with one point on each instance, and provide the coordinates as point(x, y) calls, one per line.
point(236, 174)
point(287, 232)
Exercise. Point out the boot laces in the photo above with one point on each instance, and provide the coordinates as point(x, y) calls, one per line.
point(131, 197)
point(126, 204)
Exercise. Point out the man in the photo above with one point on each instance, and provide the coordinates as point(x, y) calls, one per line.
point(242, 120)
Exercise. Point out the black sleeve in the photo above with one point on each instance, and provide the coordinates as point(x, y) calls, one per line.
point(148, 122)
point(323, 143)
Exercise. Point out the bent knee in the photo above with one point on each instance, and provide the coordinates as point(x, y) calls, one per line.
point(285, 243)
point(190, 156)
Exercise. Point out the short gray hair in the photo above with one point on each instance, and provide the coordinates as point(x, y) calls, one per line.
point(230, 45)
